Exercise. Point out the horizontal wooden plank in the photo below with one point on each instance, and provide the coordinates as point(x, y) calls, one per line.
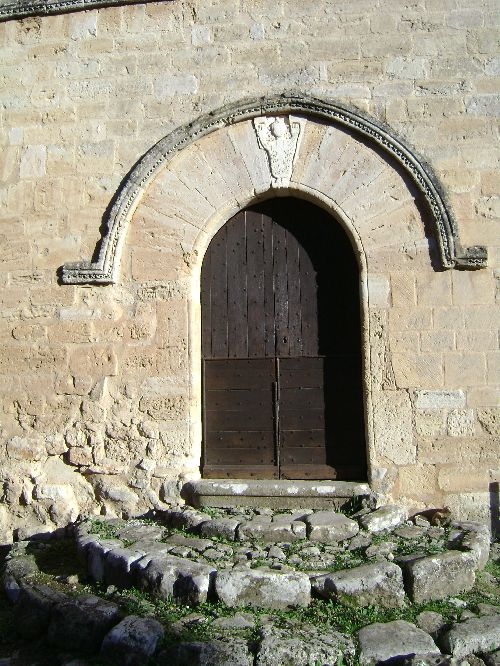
point(302, 438)
point(305, 379)
point(302, 419)
point(238, 399)
point(296, 364)
point(297, 398)
point(245, 456)
point(316, 472)
point(239, 438)
point(239, 420)
point(240, 472)
point(239, 374)
point(303, 455)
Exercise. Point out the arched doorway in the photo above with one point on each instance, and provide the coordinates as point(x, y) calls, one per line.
point(281, 347)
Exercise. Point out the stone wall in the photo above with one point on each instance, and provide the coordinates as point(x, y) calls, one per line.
point(100, 383)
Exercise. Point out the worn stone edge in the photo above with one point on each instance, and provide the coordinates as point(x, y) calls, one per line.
point(20, 10)
point(106, 268)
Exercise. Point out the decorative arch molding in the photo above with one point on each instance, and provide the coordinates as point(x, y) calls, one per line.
point(105, 269)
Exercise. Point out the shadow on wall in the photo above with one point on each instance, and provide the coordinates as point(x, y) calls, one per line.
point(495, 508)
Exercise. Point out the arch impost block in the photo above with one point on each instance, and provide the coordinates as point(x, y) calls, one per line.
point(105, 269)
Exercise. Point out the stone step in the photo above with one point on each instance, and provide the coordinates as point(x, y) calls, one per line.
point(273, 494)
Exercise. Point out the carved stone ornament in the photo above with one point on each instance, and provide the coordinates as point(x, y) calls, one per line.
point(105, 269)
point(17, 9)
point(280, 137)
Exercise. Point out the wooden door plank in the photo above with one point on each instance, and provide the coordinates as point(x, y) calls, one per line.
point(241, 456)
point(280, 280)
point(238, 399)
point(240, 472)
point(218, 289)
point(302, 438)
point(301, 419)
point(255, 285)
point(239, 374)
point(250, 439)
point(257, 419)
point(297, 398)
point(308, 304)
point(295, 347)
point(237, 287)
point(304, 456)
point(269, 320)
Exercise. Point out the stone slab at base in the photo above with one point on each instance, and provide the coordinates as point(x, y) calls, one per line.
point(275, 494)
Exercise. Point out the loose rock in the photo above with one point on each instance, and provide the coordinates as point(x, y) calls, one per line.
point(480, 634)
point(132, 641)
point(330, 527)
point(84, 620)
point(262, 588)
point(380, 642)
point(385, 518)
point(437, 576)
point(297, 648)
point(167, 575)
point(378, 584)
point(213, 653)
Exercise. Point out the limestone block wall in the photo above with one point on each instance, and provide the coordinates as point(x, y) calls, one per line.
point(100, 383)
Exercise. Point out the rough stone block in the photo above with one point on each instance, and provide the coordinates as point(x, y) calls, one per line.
point(330, 527)
point(132, 641)
point(263, 588)
point(383, 642)
point(225, 528)
point(84, 620)
point(171, 576)
point(438, 576)
point(478, 634)
point(32, 609)
point(267, 531)
point(234, 652)
point(384, 518)
point(118, 565)
point(278, 647)
point(464, 369)
point(379, 584)
point(96, 555)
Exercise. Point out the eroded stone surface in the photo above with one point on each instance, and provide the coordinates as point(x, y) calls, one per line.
point(380, 642)
point(330, 527)
point(171, 576)
point(295, 647)
point(216, 652)
point(384, 518)
point(438, 576)
point(474, 635)
point(378, 584)
point(132, 641)
point(263, 588)
point(84, 620)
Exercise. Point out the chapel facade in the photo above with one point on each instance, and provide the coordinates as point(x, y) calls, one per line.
point(247, 240)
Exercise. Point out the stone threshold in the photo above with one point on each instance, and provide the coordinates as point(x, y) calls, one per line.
point(273, 493)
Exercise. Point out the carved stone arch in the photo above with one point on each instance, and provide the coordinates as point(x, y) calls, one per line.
point(105, 269)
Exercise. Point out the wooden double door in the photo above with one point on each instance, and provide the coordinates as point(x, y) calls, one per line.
point(281, 347)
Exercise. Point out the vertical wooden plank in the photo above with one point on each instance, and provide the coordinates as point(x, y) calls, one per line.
point(237, 287)
point(294, 288)
point(269, 322)
point(308, 304)
point(218, 288)
point(280, 280)
point(206, 305)
point(255, 285)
